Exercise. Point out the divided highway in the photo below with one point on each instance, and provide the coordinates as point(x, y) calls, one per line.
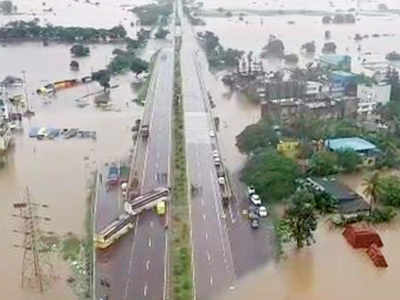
point(213, 265)
point(135, 266)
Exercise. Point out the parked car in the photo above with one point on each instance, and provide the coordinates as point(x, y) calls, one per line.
point(215, 153)
point(212, 133)
point(262, 211)
point(221, 180)
point(251, 190)
point(255, 199)
point(255, 223)
point(217, 159)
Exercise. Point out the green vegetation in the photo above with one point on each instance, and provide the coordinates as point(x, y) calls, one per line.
point(291, 58)
point(323, 163)
point(387, 190)
point(309, 47)
point(71, 247)
point(300, 220)
point(23, 30)
point(217, 56)
point(149, 14)
point(256, 136)
point(272, 175)
point(348, 160)
point(161, 33)
point(181, 248)
point(7, 7)
point(79, 50)
point(329, 47)
point(274, 48)
point(103, 77)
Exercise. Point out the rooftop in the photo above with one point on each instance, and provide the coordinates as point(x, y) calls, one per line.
point(353, 143)
point(334, 58)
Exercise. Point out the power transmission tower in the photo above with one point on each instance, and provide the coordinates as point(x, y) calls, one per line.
point(37, 270)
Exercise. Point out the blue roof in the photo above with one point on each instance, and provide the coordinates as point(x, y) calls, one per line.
point(334, 58)
point(354, 143)
point(343, 74)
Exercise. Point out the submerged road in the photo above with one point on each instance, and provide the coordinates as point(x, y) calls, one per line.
point(135, 266)
point(213, 265)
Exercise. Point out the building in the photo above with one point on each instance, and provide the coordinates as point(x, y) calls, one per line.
point(3, 110)
point(342, 83)
point(349, 201)
point(364, 148)
point(336, 62)
point(272, 90)
point(374, 93)
point(288, 148)
point(288, 110)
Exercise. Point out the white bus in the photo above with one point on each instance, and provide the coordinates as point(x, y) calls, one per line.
point(114, 231)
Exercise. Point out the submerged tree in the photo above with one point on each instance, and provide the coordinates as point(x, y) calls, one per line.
point(103, 77)
point(371, 187)
point(300, 220)
point(79, 50)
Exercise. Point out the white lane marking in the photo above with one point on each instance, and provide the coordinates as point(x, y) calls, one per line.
point(204, 217)
point(151, 224)
point(149, 242)
point(208, 256)
point(131, 259)
point(145, 290)
point(147, 265)
point(211, 280)
point(202, 202)
point(206, 236)
point(231, 213)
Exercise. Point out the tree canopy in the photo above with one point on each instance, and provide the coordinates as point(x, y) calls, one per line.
point(274, 48)
point(256, 136)
point(79, 50)
point(348, 160)
point(272, 175)
point(323, 163)
point(103, 77)
point(300, 220)
point(309, 47)
point(388, 190)
point(138, 65)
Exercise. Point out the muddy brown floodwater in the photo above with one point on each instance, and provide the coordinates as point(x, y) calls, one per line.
point(328, 270)
point(57, 170)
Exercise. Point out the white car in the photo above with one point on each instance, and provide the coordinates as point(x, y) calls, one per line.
point(262, 211)
point(212, 133)
point(221, 180)
point(215, 153)
point(251, 190)
point(255, 199)
point(217, 159)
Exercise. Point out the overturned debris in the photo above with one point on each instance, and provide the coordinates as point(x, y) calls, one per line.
point(376, 256)
point(41, 133)
point(362, 237)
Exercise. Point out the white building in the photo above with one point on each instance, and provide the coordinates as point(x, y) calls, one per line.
point(378, 93)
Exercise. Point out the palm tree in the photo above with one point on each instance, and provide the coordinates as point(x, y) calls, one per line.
point(371, 188)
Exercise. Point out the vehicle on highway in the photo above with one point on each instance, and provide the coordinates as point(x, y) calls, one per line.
point(215, 153)
point(114, 231)
point(221, 180)
point(160, 208)
point(217, 160)
point(145, 131)
point(146, 201)
point(251, 190)
point(252, 214)
point(164, 57)
point(262, 211)
point(255, 199)
point(255, 223)
point(212, 133)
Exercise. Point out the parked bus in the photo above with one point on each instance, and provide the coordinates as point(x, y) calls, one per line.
point(114, 231)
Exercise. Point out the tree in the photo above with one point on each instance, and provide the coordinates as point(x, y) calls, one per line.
point(103, 77)
point(274, 48)
point(326, 19)
point(329, 47)
point(74, 65)
point(323, 163)
point(291, 58)
point(371, 188)
point(349, 160)
point(327, 34)
point(255, 136)
point(138, 65)
point(161, 33)
point(309, 47)
point(338, 19)
point(388, 190)
point(300, 220)
point(349, 18)
point(393, 56)
point(272, 175)
point(79, 50)
point(6, 7)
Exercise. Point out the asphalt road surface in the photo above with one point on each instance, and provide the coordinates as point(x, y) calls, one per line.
point(213, 265)
point(135, 266)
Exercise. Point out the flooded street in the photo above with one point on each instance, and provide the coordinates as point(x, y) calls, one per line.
point(57, 171)
point(329, 270)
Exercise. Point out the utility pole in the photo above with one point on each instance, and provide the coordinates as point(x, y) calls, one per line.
point(36, 272)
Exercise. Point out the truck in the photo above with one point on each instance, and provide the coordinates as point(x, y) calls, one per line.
point(145, 131)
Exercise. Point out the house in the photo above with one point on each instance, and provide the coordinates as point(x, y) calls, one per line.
point(336, 62)
point(349, 201)
point(366, 149)
point(374, 93)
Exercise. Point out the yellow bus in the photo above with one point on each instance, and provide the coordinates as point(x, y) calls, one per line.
point(160, 208)
point(114, 231)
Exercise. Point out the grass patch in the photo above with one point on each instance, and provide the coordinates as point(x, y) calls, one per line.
point(181, 287)
point(142, 93)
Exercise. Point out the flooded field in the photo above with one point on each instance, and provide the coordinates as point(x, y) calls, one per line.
point(330, 270)
point(57, 170)
point(235, 34)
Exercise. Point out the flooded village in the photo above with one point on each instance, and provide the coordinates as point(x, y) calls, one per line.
point(127, 124)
